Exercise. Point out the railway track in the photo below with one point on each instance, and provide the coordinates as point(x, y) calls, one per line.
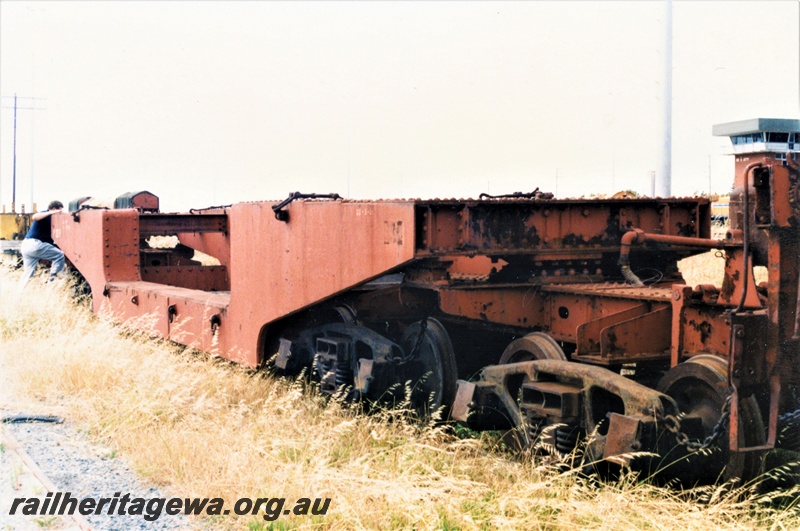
point(45, 460)
point(26, 479)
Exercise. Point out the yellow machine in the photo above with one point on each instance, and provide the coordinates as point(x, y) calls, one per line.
point(13, 227)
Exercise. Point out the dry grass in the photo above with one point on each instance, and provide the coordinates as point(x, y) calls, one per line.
point(708, 268)
point(201, 427)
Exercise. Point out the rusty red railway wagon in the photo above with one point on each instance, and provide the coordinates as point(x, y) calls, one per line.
point(560, 320)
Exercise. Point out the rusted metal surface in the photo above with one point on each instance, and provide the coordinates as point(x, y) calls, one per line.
point(169, 224)
point(102, 244)
point(561, 392)
point(605, 322)
point(739, 288)
point(704, 330)
point(207, 278)
point(146, 306)
point(275, 268)
point(589, 332)
point(385, 292)
point(647, 335)
point(584, 228)
point(327, 247)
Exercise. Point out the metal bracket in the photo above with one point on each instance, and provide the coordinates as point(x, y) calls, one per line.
point(536, 194)
point(76, 216)
point(215, 322)
point(283, 215)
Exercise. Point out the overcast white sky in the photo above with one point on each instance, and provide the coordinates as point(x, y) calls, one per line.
point(206, 103)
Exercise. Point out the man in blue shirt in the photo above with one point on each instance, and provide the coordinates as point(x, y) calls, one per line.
point(38, 245)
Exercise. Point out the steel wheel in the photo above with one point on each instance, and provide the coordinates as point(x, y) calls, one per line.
point(534, 346)
point(699, 387)
point(432, 374)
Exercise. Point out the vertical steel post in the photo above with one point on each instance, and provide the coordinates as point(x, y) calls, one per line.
point(14, 172)
point(664, 185)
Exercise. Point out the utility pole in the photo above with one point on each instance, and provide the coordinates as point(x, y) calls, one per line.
point(14, 163)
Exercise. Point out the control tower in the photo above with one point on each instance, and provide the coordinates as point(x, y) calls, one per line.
point(766, 146)
point(765, 139)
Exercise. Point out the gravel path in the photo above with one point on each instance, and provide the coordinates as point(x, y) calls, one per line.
point(73, 464)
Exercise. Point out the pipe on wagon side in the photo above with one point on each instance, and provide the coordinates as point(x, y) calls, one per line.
point(638, 237)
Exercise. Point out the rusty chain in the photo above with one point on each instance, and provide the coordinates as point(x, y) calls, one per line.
point(673, 425)
point(788, 430)
point(790, 418)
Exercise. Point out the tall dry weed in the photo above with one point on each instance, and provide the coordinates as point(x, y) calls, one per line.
point(708, 268)
point(199, 426)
